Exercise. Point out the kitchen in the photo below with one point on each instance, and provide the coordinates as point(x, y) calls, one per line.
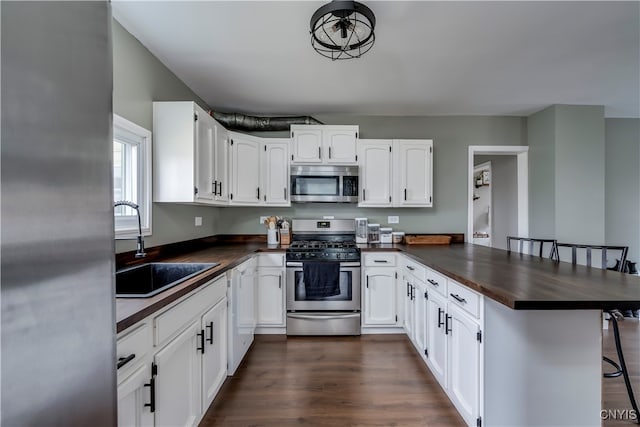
point(139, 78)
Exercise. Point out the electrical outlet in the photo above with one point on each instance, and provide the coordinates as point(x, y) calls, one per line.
point(393, 220)
point(263, 219)
point(198, 221)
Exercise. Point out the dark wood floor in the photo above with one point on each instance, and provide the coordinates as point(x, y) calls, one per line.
point(338, 381)
point(366, 381)
point(614, 393)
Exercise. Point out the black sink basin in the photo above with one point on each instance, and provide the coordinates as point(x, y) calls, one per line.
point(146, 280)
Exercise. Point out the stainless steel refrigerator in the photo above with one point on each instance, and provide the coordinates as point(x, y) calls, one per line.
point(57, 254)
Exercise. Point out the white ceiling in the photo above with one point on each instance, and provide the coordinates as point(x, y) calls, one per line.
point(429, 58)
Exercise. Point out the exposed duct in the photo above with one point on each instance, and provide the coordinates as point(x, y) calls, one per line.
point(253, 123)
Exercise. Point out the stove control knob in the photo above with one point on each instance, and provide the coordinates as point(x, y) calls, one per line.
point(338, 256)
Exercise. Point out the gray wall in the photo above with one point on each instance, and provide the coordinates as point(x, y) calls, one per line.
point(139, 78)
point(452, 135)
point(567, 173)
point(504, 188)
point(622, 184)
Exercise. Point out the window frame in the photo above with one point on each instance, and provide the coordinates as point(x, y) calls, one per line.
point(144, 178)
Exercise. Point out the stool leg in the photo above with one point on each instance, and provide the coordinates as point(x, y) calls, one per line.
point(623, 365)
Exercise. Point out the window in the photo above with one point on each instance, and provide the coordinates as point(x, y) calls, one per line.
point(131, 177)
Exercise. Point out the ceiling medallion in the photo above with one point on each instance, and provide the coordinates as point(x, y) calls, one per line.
point(343, 30)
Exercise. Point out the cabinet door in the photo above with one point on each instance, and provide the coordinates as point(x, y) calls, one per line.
point(408, 308)
point(375, 172)
point(132, 397)
point(246, 307)
point(463, 364)
point(436, 338)
point(275, 175)
point(420, 318)
point(413, 167)
point(306, 145)
point(245, 170)
point(214, 359)
point(221, 179)
point(271, 310)
point(205, 146)
point(380, 297)
point(339, 146)
point(178, 391)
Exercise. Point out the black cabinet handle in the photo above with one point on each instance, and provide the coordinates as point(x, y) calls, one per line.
point(152, 395)
point(258, 197)
point(447, 329)
point(201, 336)
point(408, 291)
point(381, 260)
point(210, 327)
point(367, 281)
point(405, 194)
point(433, 282)
point(285, 193)
point(215, 188)
point(410, 268)
point(413, 293)
point(124, 360)
point(220, 190)
point(319, 153)
point(280, 282)
point(329, 152)
point(363, 195)
point(458, 298)
point(440, 321)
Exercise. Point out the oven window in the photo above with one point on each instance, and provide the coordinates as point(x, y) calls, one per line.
point(315, 185)
point(345, 288)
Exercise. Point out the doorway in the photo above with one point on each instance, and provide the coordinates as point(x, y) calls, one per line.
point(482, 203)
point(500, 218)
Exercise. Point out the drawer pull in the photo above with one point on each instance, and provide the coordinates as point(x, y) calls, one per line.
point(210, 327)
point(447, 329)
point(152, 394)
point(458, 298)
point(410, 268)
point(440, 321)
point(201, 336)
point(433, 282)
point(124, 360)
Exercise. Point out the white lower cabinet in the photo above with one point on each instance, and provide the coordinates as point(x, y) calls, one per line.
point(463, 363)
point(420, 318)
point(177, 383)
point(134, 398)
point(409, 313)
point(380, 297)
point(271, 310)
point(436, 339)
point(214, 358)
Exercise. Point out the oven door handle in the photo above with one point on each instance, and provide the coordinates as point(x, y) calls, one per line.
point(321, 316)
point(342, 264)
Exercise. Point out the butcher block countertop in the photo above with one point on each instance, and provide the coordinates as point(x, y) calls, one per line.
point(521, 282)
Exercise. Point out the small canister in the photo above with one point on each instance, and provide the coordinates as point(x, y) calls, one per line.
point(385, 235)
point(374, 233)
point(397, 236)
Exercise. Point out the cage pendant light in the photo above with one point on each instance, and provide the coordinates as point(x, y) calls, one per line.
point(343, 30)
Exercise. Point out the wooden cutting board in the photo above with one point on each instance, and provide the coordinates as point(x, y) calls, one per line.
point(427, 240)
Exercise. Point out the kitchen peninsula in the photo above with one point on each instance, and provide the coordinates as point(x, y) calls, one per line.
point(540, 359)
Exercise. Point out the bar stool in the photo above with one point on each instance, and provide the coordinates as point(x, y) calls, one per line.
point(621, 367)
point(533, 243)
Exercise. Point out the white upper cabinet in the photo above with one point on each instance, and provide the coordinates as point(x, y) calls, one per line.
point(396, 173)
point(319, 144)
point(185, 154)
point(376, 170)
point(413, 168)
point(221, 172)
point(274, 185)
point(245, 169)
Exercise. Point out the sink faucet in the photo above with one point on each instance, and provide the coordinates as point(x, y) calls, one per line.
point(140, 251)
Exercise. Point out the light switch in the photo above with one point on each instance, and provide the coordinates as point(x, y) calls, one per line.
point(198, 221)
point(393, 220)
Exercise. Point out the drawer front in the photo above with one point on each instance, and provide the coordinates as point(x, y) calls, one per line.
point(379, 260)
point(415, 269)
point(437, 281)
point(271, 260)
point(173, 320)
point(465, 298)
point(136, 342)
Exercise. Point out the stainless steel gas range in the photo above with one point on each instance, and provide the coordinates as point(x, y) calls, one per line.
point(323, 278)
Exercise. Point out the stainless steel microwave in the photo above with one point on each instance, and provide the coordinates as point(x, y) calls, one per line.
point(324, 184)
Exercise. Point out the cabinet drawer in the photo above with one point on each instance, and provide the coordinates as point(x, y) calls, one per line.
point(137, 342)
point(174, 319)
point(271, 260)
point(379, 260)
point(414, 269)
point(465, 298)
point(437, 281)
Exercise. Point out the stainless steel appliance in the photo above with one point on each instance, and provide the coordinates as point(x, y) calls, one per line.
point(324, 184)
point(58, 326)
point(330, 241)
